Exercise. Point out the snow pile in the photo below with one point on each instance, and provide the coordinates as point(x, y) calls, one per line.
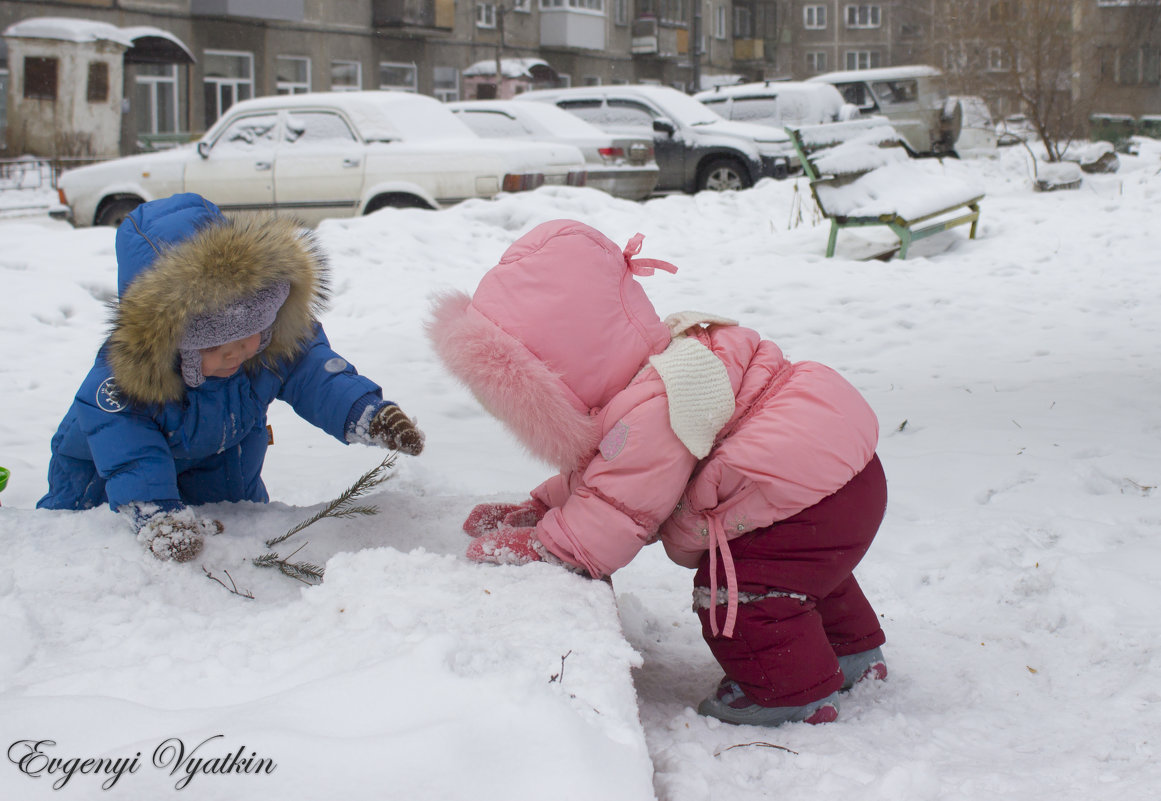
point(1015, 378)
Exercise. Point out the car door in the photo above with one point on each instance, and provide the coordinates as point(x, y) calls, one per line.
point(319, 167)
point(236, 169)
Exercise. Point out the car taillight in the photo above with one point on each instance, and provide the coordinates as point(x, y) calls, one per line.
point(520, 182)
point(578, 178)
point(610, 153)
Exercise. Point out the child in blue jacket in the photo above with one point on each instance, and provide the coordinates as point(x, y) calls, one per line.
point(216, 319)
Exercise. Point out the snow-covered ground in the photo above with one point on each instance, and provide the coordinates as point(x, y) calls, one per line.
point(1016, 378)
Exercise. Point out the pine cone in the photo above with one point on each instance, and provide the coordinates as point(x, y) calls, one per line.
point(394, 429)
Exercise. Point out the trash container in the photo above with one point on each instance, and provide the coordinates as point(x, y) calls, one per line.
point(3, 478)
point(1149, 125)
point(1115, 128)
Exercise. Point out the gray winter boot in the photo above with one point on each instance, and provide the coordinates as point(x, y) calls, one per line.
point(730, 704)
point(866, 665)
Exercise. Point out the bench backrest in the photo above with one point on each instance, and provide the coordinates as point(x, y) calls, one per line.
point(845, 150)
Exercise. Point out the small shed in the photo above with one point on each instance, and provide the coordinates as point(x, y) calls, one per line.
point(67, 82)
point(517, 75)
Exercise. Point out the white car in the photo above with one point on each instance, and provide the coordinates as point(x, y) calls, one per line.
point(913, 97)
point(619, 164)
point(779, 104)
point(333, 154)
point(694, 147)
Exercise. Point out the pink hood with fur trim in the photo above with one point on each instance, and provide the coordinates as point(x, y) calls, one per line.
point(556, 343)
point(553, 332)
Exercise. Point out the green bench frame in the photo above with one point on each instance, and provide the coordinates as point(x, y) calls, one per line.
point(908, 230)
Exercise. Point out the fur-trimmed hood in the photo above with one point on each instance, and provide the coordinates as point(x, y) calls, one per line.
point(552, 334)
point(178, 259)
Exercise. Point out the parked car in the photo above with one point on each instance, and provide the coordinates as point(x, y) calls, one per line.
point(779, 103)
point(333, 154)
point(694, 147)
point(977, 134)
point(620, 164)
point(914, 98)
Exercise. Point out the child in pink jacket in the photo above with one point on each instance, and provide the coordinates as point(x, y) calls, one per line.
point(758, 472)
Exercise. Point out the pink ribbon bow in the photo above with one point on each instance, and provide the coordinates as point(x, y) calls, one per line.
point(643, 266)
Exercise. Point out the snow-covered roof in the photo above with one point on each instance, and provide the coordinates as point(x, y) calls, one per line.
point(135, 39)
point(509, 67)
point(878, 74)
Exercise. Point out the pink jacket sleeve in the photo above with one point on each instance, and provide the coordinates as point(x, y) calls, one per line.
point(605, 512)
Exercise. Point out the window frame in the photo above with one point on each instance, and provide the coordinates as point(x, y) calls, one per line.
point(347, 62)
point(413, 87)
point(46, 70)
point(811, 18)
point(853, 11)
point(292, 87)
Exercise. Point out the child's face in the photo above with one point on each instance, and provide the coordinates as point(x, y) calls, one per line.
point(222, 361)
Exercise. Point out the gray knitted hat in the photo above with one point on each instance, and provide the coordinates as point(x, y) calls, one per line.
point(249, 316)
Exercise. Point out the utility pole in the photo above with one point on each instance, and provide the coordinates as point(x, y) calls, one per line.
point(695, 45)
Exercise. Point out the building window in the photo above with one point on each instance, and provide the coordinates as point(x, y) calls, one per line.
point(864, 17)
point(998, 60)
point(229, 78)
point(292, 75)
point(743, 23)
point(40, 78)
point(97, 87)
point(523, 6)
point(1002, 11)
point(485, 15)
point(621, 12)
point(862, 59)
point(592, 80)
point(157, 99)
point(816, 61)
point(1150, 65)
point(446, 84)
point(400, 77)
point(720, 22)
point(814, 18)
point(597, 5)
point(346, 76)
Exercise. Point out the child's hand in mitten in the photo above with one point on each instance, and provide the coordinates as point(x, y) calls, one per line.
point(177, 535)
point(391, 428)
point(487, 517)
point(507, 546)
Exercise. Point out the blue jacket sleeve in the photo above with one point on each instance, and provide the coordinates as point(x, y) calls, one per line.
point(128, 447)
point(323, 387)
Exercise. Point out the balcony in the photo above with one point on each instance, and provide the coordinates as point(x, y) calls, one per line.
point(749, 49)
point(413, 14)
point(571, 27)
point(285, 10)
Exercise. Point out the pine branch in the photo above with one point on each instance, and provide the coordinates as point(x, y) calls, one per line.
point(306, 572)
point(341, 506)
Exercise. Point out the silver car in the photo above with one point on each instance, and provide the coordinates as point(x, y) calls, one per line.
point(694, 147)
point(619, 164)
point(330, 154)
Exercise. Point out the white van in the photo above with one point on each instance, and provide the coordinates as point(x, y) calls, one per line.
point(914, 98)
point(778, 104)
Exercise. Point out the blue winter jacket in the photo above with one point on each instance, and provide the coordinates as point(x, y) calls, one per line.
point(135, 433)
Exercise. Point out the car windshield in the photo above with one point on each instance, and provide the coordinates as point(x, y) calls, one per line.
point(686, 110)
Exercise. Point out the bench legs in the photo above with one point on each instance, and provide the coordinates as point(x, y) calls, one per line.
point(906, 231)
point(830, 243)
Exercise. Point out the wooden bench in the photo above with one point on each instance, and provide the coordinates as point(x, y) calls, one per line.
point(860, 174)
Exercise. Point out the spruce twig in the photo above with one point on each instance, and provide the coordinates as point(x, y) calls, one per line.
point(341, 506)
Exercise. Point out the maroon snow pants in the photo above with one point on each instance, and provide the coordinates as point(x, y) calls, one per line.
point(784, 651)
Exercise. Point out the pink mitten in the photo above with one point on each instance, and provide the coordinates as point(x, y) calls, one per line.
point(487, 517)
point(507, 546)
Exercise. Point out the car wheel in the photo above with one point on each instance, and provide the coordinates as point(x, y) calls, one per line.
point(397, 201)
point(113, 212)
point(722, 174)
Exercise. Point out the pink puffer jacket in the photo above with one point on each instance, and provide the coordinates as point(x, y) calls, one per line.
point(556, 343)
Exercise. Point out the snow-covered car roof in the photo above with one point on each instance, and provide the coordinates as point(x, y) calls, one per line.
point(878, 74)
point(550, 119)
point(379, 115)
